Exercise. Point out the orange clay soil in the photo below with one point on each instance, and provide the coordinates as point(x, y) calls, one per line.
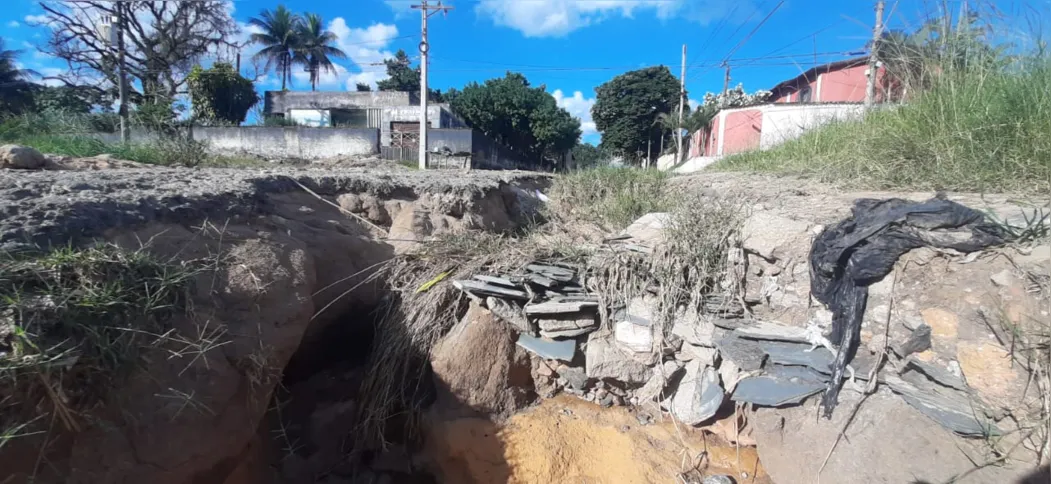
point(567, 440)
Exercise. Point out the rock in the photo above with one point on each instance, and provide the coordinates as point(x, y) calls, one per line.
point(510, 314)
point(694, 329)
point(988, 369)
point(640, 311)
point(720, 479)
point(698, 396)
point(730, 374)
point(1037, 256)
point(952, 410)
point(604, 360)
point(883, 287)
point(877, 343)
point(1003, 278)
point(486, 289)
point(779, 386)
point(944, 324)
point(547, 349)
point(937, 373)
point(633, 337)
point(553, 307)
point(648, 229)
point(567, 325)
point(768, 234)
point(908, 447)
point(765, 330)
point(21, 157)
point(660, 382)
point(576, 378)
point(919, 340)
point(691, 352)
point(500, 386)
point(745, 353)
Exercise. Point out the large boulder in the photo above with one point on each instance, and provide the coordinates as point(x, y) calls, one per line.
point(21, 157)
point(479, 366)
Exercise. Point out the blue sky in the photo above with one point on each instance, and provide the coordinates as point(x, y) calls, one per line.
point(572, 46)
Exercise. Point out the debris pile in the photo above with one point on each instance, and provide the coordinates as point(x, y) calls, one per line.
point(702, 360)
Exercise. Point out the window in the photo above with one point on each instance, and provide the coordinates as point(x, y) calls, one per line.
point(804, 94)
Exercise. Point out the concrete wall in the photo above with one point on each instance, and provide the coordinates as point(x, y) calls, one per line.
point(785, 122)
point(297, 142)
point(280, 102)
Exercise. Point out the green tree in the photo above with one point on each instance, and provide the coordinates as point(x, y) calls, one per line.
point(362, 87)
point(69, 99)
point(400, 75)
point(220, 93)
point(586, 155)
point(314, 48)
point(16, 92)
point(523, 118)
point(626, 109)
point(279, 38)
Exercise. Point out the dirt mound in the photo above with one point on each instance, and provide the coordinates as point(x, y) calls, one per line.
point(567, 440)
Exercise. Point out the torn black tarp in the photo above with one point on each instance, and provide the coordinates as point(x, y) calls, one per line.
point(862, 249)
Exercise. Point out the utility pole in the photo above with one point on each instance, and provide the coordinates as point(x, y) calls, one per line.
point(726, 81)
point(877, 32)
point(425, 12)
point(682, 102)
point(122, 83)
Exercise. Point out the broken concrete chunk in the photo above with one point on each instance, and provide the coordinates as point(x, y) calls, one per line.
point(955, 413)
point(551, 307)
point(779, 386)
point(510, 314)
point(633, 337)
point(604, 360)
point(936, 373)
point(773, 331)
point(549, 349)
point(745, 353)
point(486, 289)
point(698, 396)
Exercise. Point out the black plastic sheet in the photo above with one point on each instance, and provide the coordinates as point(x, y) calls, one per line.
point(849, 256)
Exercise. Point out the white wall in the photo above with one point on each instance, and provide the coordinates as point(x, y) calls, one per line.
point(783, 122)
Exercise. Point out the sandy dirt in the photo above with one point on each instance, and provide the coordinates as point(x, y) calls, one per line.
point(567, 440)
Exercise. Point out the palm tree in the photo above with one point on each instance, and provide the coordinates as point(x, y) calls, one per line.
point(313, 48)
point(15, 88)
point(279, 39)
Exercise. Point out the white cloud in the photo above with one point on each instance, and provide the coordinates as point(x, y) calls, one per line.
point(544, 18)
point(578, 106)
point(693, 104)
point(366, 48)
point(13, 24)
point(36, 19)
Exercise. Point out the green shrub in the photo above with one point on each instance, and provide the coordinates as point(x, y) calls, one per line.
point(609, 197)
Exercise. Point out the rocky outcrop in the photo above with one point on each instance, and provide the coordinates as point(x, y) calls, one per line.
point(21, 158)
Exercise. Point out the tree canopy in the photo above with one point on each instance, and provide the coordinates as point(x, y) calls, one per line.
point(163, 41)
point(626, 109)
point(221, 94)
point(16, 92)
point(400, 74)
point(524, 118)
point(313, 48)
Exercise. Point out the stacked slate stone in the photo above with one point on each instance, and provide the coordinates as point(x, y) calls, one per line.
point(711, 358)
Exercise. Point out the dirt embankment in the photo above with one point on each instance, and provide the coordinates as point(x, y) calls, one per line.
point(281, 245)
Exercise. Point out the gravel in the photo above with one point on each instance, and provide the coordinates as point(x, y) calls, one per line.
point(58, 207)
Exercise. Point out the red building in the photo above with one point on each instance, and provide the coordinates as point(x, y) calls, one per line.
point(829, 91)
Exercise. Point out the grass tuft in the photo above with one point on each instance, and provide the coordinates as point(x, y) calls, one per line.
point(609, 197)
point(74, 323)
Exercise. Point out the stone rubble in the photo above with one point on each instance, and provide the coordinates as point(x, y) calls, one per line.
point(711, 357)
